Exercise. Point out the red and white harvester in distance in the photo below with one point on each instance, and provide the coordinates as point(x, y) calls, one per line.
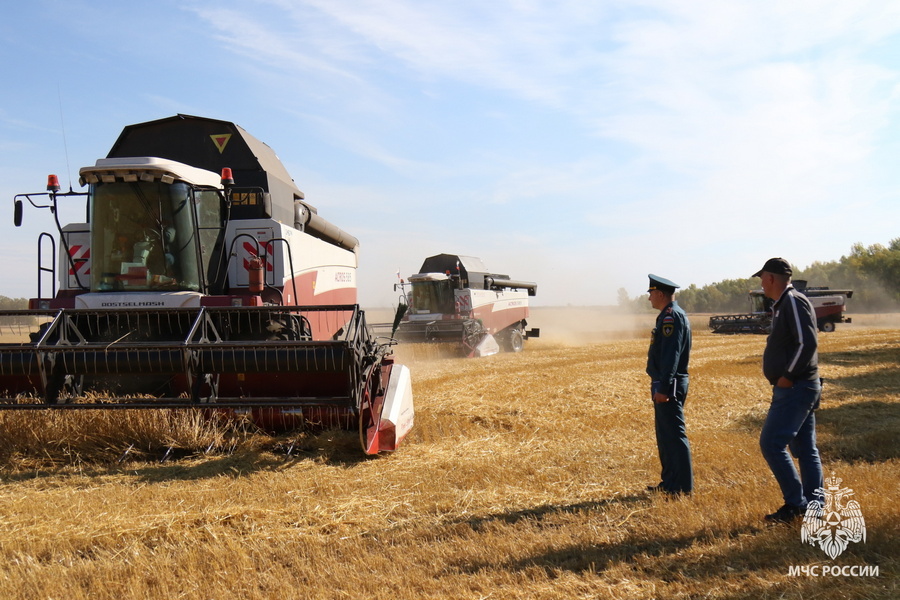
point(455, 300)
point(202, 279)
point(829, 306)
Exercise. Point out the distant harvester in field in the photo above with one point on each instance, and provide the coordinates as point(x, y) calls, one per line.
point(455, 300)
point(829, 306)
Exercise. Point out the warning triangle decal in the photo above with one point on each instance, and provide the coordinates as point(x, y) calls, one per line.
point(220, 140)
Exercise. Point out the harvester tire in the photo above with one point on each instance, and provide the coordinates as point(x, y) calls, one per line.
point(827, 326)
point(514, 341)
point(62, 388)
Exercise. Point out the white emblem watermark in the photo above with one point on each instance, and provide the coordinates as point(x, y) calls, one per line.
point(833, 526)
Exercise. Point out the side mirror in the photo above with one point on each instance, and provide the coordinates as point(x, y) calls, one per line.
point(17, 213)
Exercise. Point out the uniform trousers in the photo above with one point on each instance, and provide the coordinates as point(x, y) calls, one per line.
point(671, 438)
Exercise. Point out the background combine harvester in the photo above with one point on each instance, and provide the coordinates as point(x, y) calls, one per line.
point(828, 304)
point(455, 300)
point(184, 288)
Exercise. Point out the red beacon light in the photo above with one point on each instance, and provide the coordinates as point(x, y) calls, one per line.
point(227, 178)
point(52, 183)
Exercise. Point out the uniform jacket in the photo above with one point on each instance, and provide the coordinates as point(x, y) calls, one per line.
point(670, 347)
point(792, 347)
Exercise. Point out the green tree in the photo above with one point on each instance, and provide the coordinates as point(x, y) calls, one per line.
point(871, 272)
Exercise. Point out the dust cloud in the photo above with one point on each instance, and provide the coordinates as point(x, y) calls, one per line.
point(586, 325)
point(575, 325)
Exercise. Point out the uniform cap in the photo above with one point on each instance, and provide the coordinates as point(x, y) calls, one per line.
point(779, 266)
point(662, 284)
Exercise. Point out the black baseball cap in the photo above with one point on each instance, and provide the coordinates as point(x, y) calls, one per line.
point(779, 266)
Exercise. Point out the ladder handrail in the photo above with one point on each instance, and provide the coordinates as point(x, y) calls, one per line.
point(41, 267)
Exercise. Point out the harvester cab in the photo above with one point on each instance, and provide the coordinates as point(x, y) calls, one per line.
point(201, 277)
point(455, 300)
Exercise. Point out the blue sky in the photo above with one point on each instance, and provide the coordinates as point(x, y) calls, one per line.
point(577, 144)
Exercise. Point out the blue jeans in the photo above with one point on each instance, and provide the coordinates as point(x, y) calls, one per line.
point(791, 423)
point(671, 438)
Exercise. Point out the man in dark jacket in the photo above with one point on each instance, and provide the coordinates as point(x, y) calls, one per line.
point(791, 365)
point(667, 366)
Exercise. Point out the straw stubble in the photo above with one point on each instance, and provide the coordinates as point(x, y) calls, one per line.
point(524, 477)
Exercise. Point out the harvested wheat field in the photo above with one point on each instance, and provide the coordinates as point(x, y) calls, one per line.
point(523, 478)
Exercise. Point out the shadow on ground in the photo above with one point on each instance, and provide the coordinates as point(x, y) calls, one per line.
point(335, 448)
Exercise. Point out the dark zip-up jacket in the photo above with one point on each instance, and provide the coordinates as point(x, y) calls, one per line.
point(792, 348)
point(670, 348)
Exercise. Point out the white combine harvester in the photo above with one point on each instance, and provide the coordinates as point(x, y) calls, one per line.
point(201, 279)
point(453, 299)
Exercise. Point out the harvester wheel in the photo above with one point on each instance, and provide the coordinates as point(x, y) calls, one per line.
point(205, 388)
point(828, 326)
point(289, 329)
point(514, 340)
point(63, 387)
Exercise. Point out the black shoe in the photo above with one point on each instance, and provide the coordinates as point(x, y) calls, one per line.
point(659, 487)
point(786, 514)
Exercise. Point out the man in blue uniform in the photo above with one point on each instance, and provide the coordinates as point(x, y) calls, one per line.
point(791, 364)
point(667, 366)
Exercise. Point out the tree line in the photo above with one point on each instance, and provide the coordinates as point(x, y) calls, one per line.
point(872, 272)
point(12, 303)
point(11, 324)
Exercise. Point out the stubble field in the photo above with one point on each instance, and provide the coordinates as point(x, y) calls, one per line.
point(524, 477)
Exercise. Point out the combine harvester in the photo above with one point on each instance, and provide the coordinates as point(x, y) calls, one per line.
point(202, 279)
point(455, 300)
point(828, 304)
